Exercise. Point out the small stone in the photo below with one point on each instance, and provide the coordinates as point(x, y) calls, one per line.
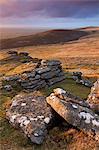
point(14, 103)
point(26, 122)
point(47, 120)
point(36, 134)
point(22, 119)
point(74, 106)
point(8, 87)
point(12, 119)
point(23, 104)
point(59, 91)
point(95, 123)
point(33, 119)
point(40, 117)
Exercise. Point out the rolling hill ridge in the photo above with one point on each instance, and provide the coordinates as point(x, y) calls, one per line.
point(44, 38)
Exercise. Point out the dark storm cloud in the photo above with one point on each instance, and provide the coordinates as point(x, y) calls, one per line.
point(49, 8)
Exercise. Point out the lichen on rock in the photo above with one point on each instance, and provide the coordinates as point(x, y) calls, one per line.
point(75, 112)
point(32, 115)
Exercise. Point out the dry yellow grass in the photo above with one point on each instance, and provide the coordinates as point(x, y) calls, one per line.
point(21, 68)
point(78, 55)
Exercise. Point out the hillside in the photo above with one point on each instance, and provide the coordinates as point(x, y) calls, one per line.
point(75, 55)
point(43, 38)
point(90, 28)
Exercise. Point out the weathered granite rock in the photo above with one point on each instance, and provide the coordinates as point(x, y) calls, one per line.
point(38, 85)
point(23, 54)
point(67, 96)
point(14, 53)
point(32, 115)
point(27, 75)
point(77, 115)
point(8, 87)
point(42, 70)
point(86, 82)
point(77, 76)
point(31, 77)
point(49, 75)
point(29, 83)
point(93, 98)
point(55, 80)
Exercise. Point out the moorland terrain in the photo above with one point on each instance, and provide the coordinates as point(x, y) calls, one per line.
point(78, 50)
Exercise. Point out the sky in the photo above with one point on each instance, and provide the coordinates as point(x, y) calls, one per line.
point(49, 13)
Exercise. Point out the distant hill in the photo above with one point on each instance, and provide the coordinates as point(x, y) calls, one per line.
point(13, 32)
point(90, 28)
point(44, 38)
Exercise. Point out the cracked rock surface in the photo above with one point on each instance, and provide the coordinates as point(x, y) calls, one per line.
point(32, 115)
point(76, 113)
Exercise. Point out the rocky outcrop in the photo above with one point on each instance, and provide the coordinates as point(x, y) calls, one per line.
point(47, 74)
point(43, 74)
point(77, 76)
point(32, 115)
point(23, 54)
point(93, 98)
point(75, 112)
point(20, 56)
point(12, 53)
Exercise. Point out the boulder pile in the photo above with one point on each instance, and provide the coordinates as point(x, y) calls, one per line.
point(75, 112)
point(44, 74)
point(12, 53)
point(35, 115)
point(77, 76)
point(20, 56)
point(93, 98)
point(49, 73)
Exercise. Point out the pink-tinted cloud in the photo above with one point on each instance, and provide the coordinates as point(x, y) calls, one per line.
point(49, 8)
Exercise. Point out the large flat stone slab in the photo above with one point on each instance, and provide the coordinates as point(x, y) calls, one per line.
point(30, 114)
point(75, 112)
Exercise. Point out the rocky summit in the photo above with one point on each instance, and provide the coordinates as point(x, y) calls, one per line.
point(75, 112)
point(32, 115)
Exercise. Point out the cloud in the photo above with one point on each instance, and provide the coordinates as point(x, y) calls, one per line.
point(49, 8)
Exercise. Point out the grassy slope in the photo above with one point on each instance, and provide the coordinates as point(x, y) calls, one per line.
point(79, 55)
point(82, 54)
